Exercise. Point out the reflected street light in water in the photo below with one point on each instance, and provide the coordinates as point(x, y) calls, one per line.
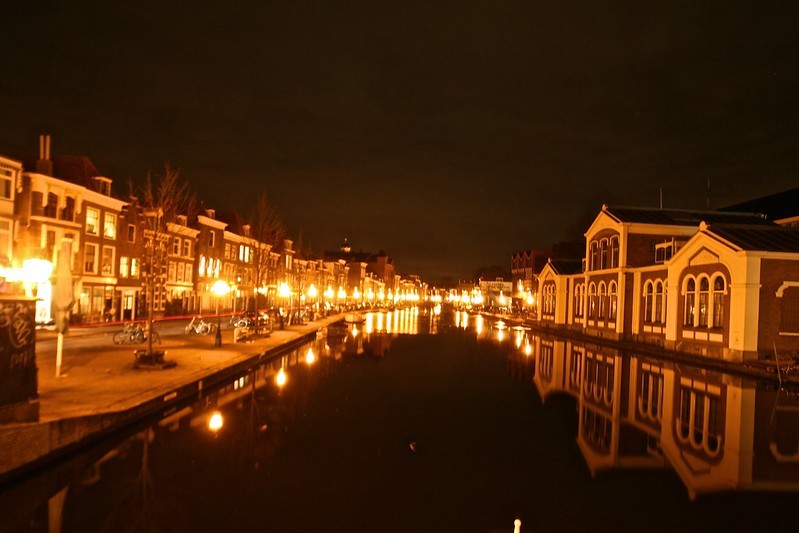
point(220, 288)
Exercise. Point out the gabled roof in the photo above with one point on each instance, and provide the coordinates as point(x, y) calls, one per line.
point(680, 217)
point(766, 238)
point(566, 267)
point(775, 206)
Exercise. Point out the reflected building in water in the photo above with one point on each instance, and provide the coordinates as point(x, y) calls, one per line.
point(717, 431)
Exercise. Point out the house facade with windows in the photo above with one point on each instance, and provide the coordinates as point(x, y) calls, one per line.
point(721, 284)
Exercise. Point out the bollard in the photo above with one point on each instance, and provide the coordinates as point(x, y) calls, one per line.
point(517, 526)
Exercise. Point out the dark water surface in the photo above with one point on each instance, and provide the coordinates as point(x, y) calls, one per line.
point(425, 422)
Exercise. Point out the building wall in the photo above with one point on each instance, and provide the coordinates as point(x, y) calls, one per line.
point(777, 279)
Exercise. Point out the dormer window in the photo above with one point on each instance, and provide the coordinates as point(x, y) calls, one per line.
point(183, 220)
point(211, 213)
point(103, 185)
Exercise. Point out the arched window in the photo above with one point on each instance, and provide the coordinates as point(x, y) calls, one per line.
point(601, 300)
point(659, 315)
point(704, 301)
point(719, 287)
point(579, 305)
point(648, 301)
point(612, 301)
point(690, 302)
point(603, 254)
point(591, 300)
point(594, 255)
point(614, 252)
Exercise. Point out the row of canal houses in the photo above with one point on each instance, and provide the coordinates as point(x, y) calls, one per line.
point(724, 283)
point(46, 202)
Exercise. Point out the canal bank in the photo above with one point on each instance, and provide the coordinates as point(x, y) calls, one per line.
point(765, 370)
point(100, 391)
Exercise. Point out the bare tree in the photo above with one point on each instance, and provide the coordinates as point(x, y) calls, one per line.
point(267, 231)
point(160, 202)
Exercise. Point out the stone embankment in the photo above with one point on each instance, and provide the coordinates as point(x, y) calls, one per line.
point(100, 390)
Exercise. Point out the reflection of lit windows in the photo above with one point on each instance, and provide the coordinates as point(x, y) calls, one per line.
point(546, 355)
point(650, 394)
point(599, 378)
point(698, 423)
point(576, 368)
point(597, 429)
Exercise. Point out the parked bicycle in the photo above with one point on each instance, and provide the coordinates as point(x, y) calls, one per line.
point(133, 334)
point(199, 326)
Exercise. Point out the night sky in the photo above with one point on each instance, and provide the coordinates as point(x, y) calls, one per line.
point(449, 134)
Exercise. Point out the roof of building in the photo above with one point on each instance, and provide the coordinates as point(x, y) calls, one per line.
point(769, 238)
point(680, 217)
point(566, 267)
point(775, 206)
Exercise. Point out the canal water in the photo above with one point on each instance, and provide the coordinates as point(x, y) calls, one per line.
point(440, 421)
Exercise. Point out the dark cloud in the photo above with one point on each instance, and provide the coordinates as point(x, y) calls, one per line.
point(448, 134)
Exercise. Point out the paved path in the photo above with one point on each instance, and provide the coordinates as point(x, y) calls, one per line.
point(98, 376)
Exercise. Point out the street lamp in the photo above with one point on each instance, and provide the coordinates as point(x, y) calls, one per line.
point(220, 288)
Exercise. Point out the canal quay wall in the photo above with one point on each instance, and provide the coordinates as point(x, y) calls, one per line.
point(758, 370)
point(101, 392)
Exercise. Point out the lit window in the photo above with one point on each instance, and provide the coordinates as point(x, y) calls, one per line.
point(92, 221)
point(90, 258)
point(134, 267)
point(110, 226)
point(6, 185)
point(690, 302)
point(108, 261)
point(124, 267)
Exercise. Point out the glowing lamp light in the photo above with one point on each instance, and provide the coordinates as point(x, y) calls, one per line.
point(310, 357)
point(528, 349)
point(312, 292)
point(356, 294)
point(281, 378)
point(381, 295)
point(220, 288)
point(502, 298)
point(36, 270)
point(342, 294)
point(215, 422)
point(283, 290)
point(329, 292)
point(530, 299)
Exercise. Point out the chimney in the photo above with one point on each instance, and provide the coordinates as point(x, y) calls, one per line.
point(43, 164)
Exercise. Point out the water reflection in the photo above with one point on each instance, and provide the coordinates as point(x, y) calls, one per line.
point(717, 431)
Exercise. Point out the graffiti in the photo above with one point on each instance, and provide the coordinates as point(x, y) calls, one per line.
point(16, 319)
point(22, 359)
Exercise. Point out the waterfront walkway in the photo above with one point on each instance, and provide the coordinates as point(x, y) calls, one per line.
point(100, 390)
point(98, 376)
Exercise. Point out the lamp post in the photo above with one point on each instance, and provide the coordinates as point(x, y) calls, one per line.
point(220, 288)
